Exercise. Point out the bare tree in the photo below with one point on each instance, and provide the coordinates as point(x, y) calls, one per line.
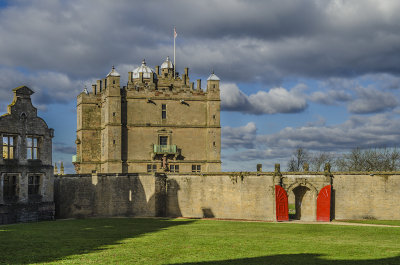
point(378, 159)
point(319, 160)
point(296, 162)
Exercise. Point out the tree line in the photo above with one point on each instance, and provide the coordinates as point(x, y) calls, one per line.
point(377, 159)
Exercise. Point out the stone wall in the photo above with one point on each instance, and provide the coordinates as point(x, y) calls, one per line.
point(365, 196)
point(78, 196)
point(224, 195)
point(233, 195)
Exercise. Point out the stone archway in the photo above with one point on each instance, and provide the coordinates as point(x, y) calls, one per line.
point(303, 196)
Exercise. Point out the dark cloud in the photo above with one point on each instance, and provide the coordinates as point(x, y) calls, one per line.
point(49, 87)
point(276, 100)
point(64, 149)
point(264, 40)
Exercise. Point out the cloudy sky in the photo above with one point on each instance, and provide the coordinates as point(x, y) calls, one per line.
point(322, 75)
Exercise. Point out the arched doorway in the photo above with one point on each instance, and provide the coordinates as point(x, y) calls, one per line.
point(302, 203)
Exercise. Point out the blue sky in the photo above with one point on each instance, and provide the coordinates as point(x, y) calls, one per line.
point(322, 75)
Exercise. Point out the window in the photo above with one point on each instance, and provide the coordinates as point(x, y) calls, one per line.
point(174, 168)
point(10, 187)
point(196, 168)
point(8, 147)
point(163, 140)
point(163, 111)
point(33, 185)
point(32, 148)
point(151, 168)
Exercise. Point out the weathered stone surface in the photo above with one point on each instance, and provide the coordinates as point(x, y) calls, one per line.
point(231, 195)
point(118, 128)
point(20, 124)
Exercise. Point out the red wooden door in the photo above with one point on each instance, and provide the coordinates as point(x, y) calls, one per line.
point(324, 204)
point(281, 199)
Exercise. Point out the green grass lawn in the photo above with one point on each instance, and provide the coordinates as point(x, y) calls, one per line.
point(181, 241)
point(375, 222)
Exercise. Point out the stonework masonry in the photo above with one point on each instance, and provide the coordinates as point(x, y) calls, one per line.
point(235, 195)
point(156, 123)
point(26, 172)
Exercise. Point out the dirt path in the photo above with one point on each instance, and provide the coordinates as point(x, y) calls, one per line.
point(296, 222)
point(340, 223)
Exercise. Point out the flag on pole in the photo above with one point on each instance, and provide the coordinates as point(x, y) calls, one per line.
point(175, 34)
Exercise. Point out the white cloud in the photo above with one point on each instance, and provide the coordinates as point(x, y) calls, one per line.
point(372, 100)
point(276, 100)
point(240, 137)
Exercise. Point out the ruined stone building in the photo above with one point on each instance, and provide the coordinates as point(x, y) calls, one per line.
point(158, 122)
point(26, 172)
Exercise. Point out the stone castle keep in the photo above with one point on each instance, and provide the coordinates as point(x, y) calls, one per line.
point(156, 123)
point(152, 149)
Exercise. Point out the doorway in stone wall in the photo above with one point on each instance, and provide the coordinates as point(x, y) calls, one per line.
point(301, 204)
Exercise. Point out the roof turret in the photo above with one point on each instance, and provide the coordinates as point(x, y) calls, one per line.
point(113, 72)
point(213, 77)
point(147, 71)
point(167, 64)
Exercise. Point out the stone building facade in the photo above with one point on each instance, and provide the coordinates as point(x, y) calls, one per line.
point(158, 122)
point(26, 172)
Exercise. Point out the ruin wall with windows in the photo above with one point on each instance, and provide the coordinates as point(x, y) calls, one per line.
point(26, 172)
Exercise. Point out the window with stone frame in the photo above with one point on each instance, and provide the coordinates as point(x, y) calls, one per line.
point(196, 168)
point(174, 168)
point(151, 168)
point(10, 183)
point(163, 140)
point(33, 185)
point(32, 147)
point(163, 111)
point(9, 145)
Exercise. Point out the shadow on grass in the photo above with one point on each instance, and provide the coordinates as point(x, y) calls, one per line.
point(52, 241)
point(290, 259)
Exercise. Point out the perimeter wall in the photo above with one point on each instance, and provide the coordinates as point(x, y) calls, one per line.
point(236, 195)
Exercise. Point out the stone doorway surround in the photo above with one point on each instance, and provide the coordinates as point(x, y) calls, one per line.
point(306, 186)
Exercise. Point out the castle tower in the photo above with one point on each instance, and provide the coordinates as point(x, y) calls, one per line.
point(156, 123)
point(213, 122)
point(111, 124)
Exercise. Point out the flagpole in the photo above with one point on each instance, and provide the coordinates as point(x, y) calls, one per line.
point(174, 52)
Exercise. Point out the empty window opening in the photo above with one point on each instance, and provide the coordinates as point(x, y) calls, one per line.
point(8, 147)
point(33, 185)
point(113, 82)
point(196, 168)
point(113, 141)
point(113, 114)
point(163, 111)
point(174, 168)
point(10, 187)
point(32, 148)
